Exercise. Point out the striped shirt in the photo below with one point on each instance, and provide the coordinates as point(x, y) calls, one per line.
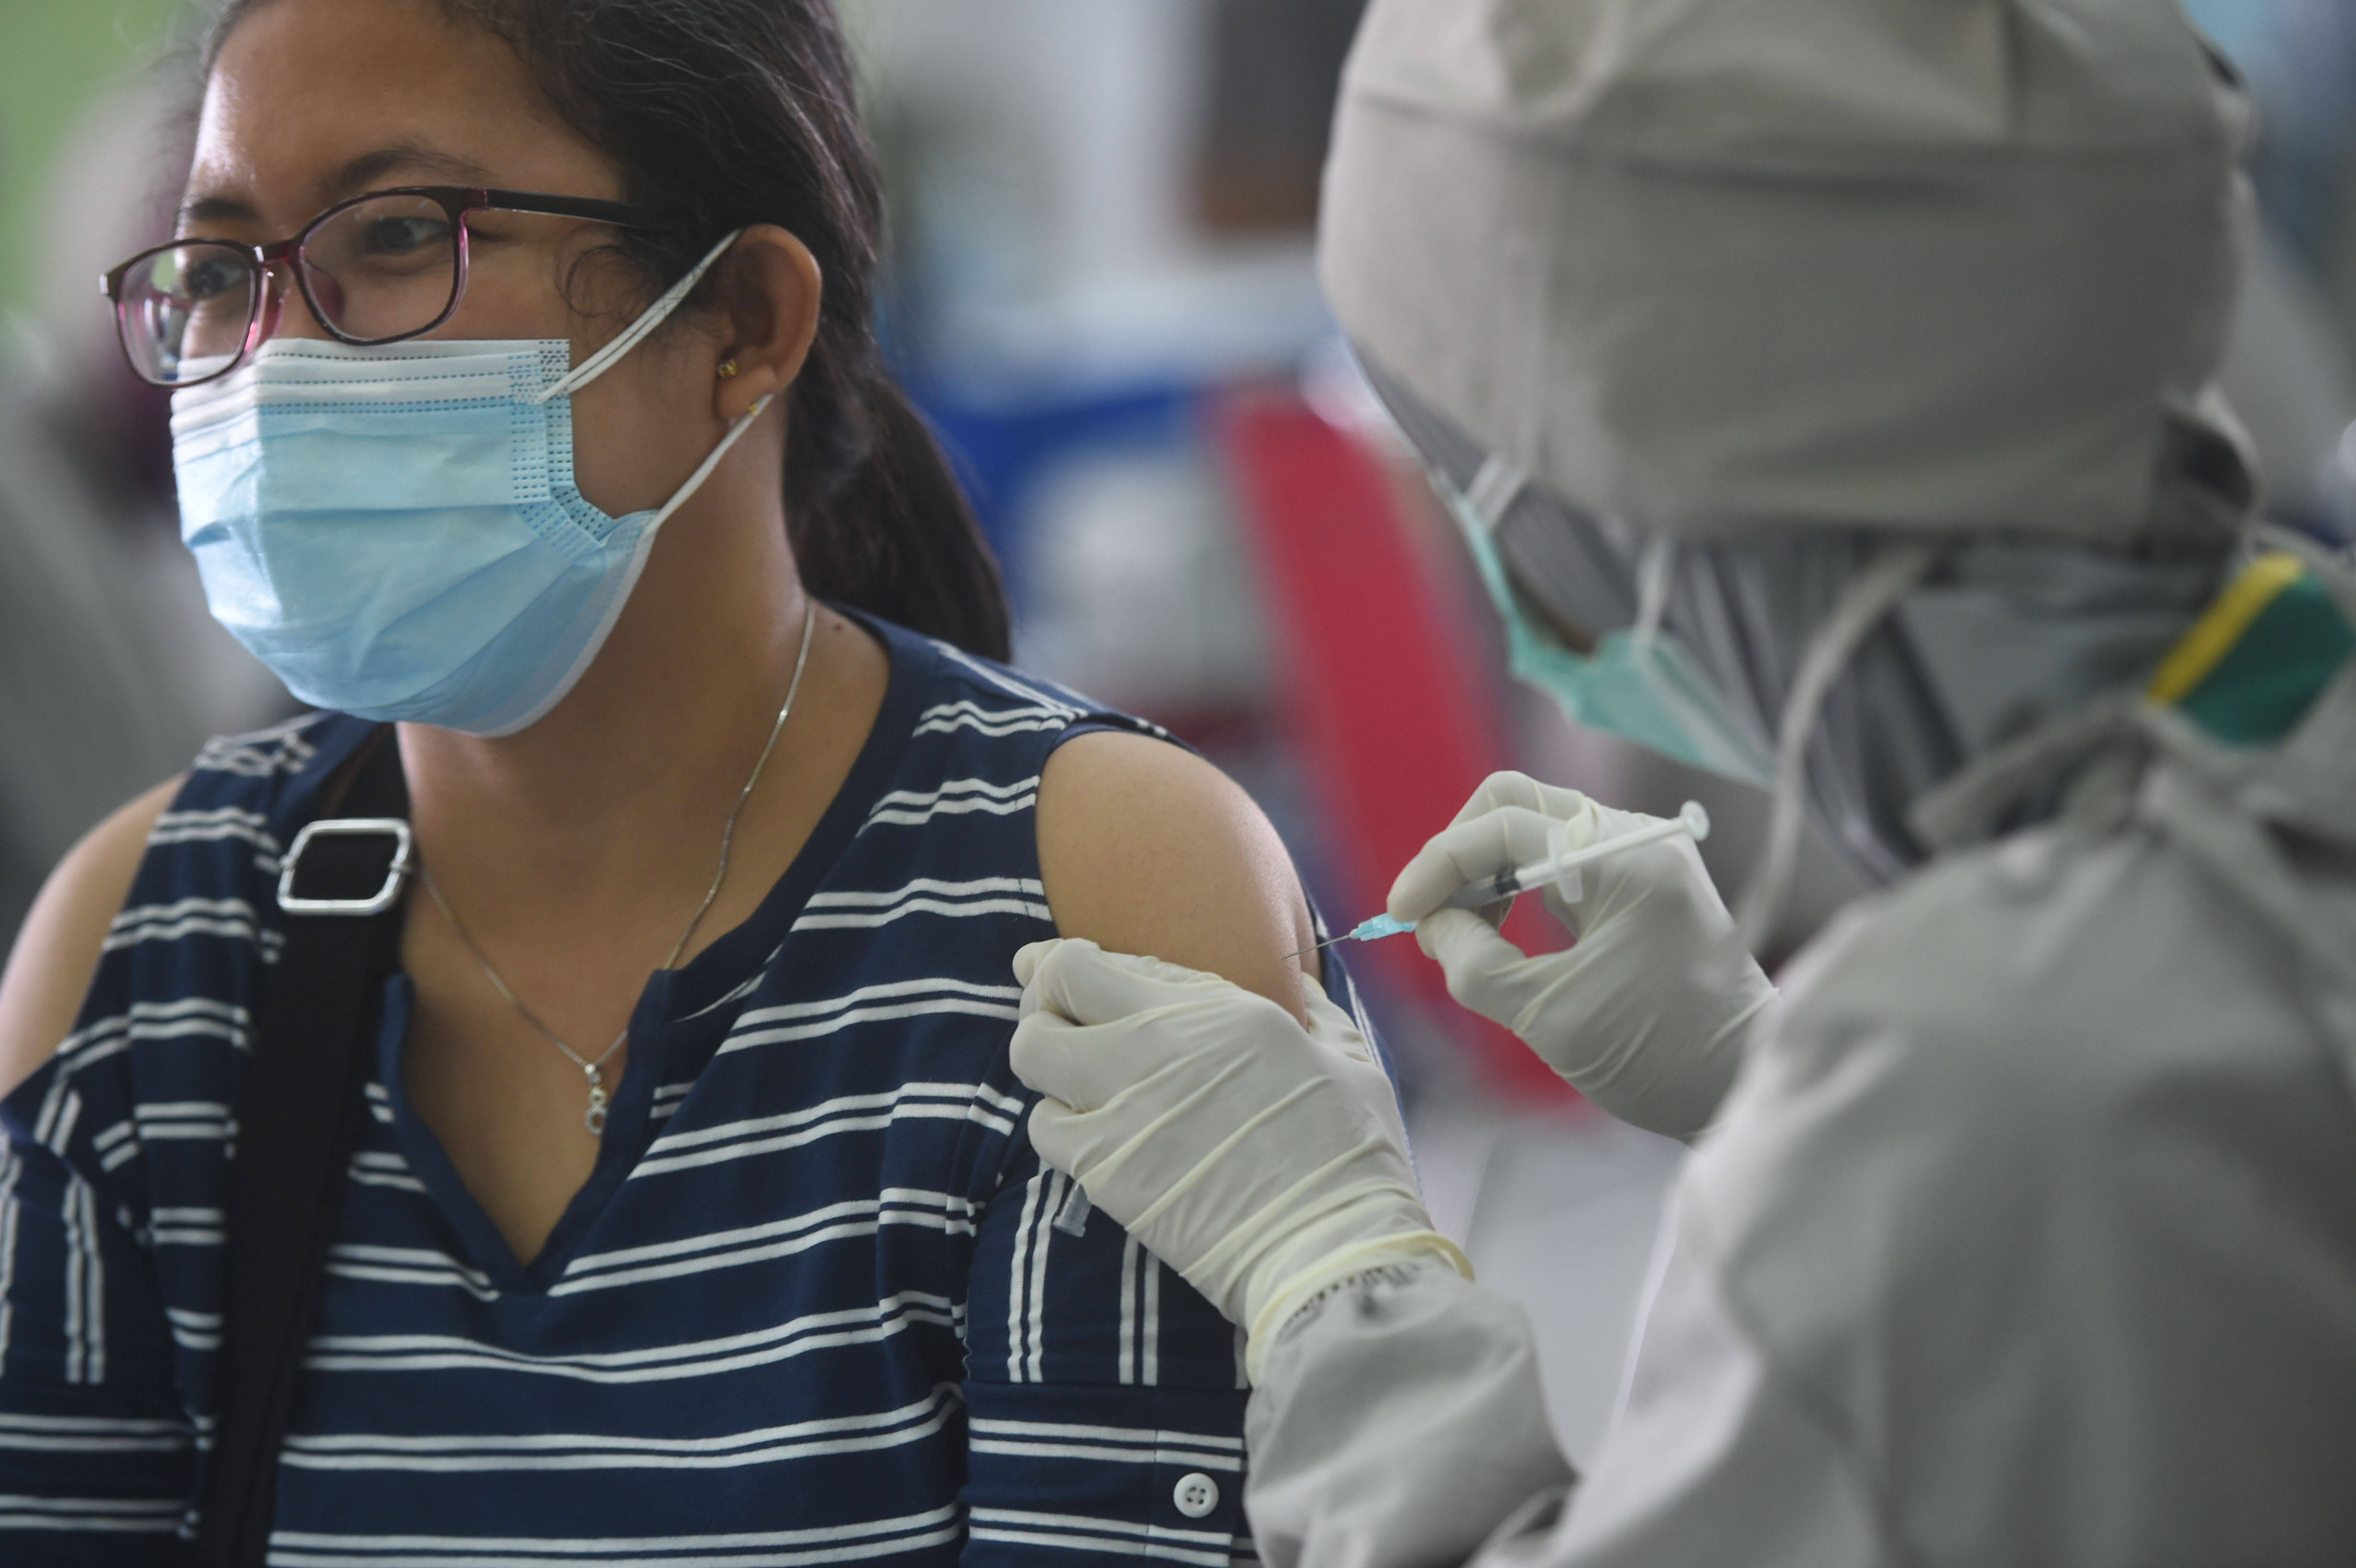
point(819, 1301)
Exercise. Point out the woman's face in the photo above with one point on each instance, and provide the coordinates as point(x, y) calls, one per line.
point(313, 100)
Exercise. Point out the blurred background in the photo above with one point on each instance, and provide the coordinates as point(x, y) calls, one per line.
point(1102, 216)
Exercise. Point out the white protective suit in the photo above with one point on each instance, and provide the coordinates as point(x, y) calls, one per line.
point(2028, 1232)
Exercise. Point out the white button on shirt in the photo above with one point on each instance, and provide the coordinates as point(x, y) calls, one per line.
point(1196, 1494)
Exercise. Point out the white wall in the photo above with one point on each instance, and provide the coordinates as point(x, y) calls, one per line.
point(1056, 143)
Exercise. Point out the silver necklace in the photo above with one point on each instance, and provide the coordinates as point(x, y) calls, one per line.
point(594, 1070)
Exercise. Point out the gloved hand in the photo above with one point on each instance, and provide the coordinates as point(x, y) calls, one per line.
point(1647, 1014)
point(1261, 1160)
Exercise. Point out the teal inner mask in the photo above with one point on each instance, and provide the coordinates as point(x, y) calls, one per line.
point(1703, 641)
point(1639, 683)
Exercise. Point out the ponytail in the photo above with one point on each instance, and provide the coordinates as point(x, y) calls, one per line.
point(895, 537)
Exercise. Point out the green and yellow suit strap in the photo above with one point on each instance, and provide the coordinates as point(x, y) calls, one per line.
point(2259, 657)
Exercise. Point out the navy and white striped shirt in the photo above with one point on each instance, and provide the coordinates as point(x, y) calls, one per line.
point(813, 1305)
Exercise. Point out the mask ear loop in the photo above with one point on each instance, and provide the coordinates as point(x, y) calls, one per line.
point(653, 316)
point(1496, 485)
point(1870, 596)
point(1652, 589)
point(736, 427)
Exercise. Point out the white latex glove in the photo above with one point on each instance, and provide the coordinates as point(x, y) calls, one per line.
point(1262, 1161)
point(1647, 1014)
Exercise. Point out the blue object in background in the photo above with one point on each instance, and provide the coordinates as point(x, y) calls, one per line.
point(2299, 57)
point(1000, 447)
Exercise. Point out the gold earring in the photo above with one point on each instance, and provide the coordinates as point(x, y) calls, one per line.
point(730, 370)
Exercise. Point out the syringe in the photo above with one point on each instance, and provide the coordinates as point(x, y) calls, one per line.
point(1691, 819)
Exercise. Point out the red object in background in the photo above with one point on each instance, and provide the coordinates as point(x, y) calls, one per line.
point(1383, 689)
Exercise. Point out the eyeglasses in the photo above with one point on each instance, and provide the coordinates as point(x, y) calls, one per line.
point(379, 268)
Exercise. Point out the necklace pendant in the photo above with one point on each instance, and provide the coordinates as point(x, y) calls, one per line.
point(595, 1117)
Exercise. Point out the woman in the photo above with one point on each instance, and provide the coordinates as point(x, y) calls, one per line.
point(775, 1277)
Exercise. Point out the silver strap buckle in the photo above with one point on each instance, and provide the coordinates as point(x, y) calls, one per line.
point(347, 827)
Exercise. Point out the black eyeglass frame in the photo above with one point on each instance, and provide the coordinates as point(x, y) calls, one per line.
point(456, 201)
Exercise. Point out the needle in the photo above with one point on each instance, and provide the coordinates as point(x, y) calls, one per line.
point(1691, 819)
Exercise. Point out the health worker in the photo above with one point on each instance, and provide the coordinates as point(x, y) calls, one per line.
point(1825, 388)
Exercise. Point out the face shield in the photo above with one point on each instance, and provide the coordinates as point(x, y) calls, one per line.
point(1853, 352)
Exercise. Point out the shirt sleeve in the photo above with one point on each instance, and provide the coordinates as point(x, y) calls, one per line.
point(95, 1447)
point(1104, 1397)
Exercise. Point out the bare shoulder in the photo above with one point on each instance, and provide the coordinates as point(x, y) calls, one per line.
point(1145, 848)
point(57, 950)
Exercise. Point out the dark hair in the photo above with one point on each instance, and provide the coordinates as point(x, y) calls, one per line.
point(722, 113)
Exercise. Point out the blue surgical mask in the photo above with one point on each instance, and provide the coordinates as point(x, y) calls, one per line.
point(396, 531)
point(1640, 683)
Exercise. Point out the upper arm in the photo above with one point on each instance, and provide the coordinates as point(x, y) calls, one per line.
point(57, 951)
point(1098, 1383)
point(1145, 848)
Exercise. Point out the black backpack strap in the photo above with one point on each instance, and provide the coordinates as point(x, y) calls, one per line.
point(298, 1118)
